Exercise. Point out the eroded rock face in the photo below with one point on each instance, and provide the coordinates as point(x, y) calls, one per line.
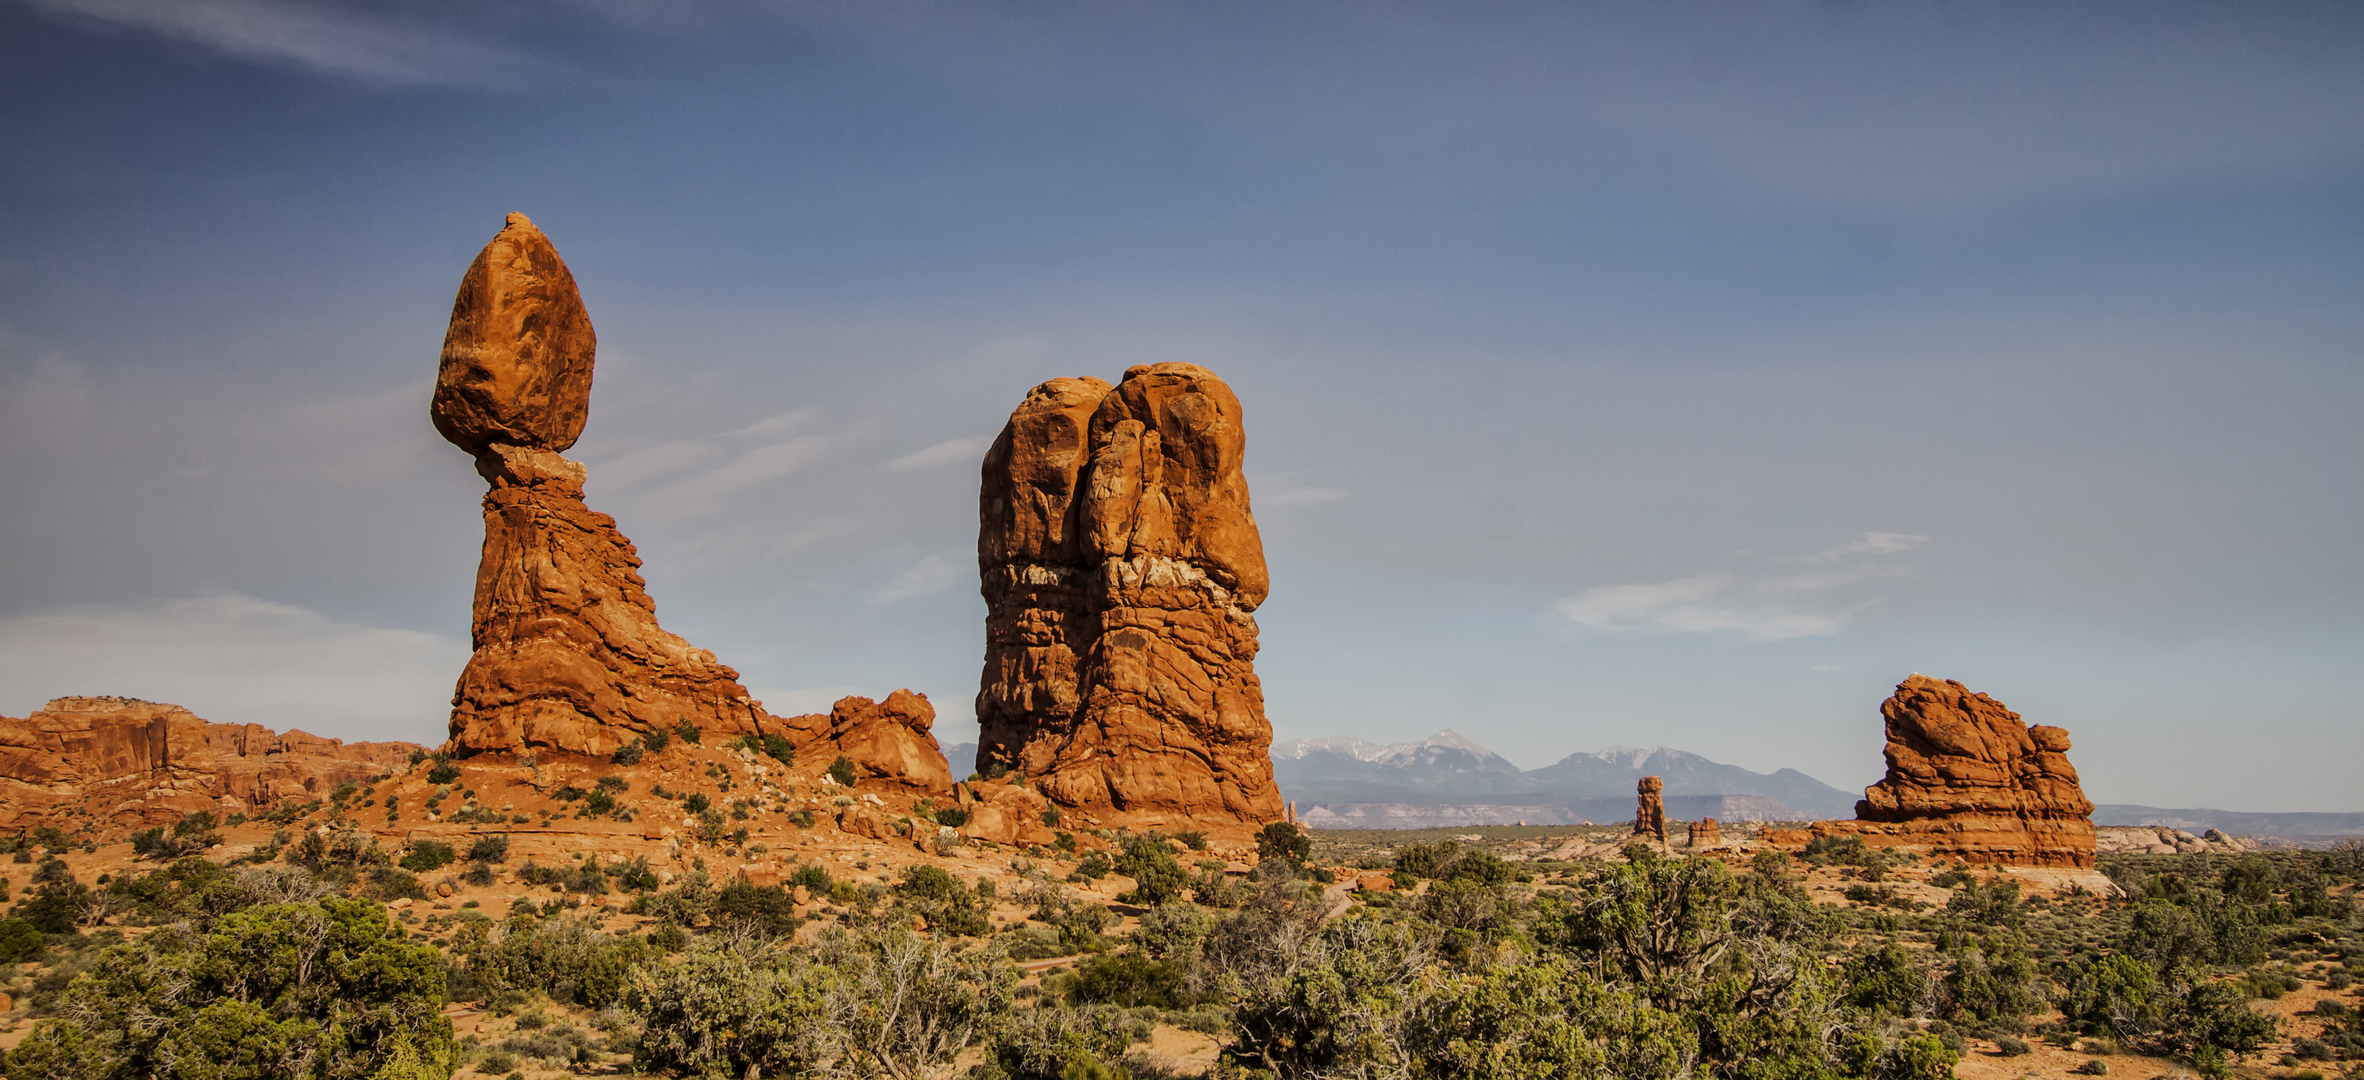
point(885, 740)
point(1649, 814)
point(517, 356)
point(1968, 780)
point(1705, 833)
point(1121, 569)
point(569, 655)
point(118, 764)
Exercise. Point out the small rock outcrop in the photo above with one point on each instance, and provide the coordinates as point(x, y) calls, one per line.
point(1121, 569)
point(1705, 834)
point(1649, 814)
point(1967, 779)
point(884, 740)
point(114, 764)
point(569, 655)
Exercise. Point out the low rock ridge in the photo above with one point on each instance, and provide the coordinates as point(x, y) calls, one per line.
point(115, 763)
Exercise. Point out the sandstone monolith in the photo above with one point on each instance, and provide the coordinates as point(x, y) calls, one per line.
point(1967, 779)
point(1121, 567)
point(1704, 833)
point(1649, 814)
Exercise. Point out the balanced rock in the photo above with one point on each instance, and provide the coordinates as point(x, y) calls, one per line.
point(1649, 814)
point(114, 764)
point(569, 655)
point(1121, 569)
point(1968, 780)
point(517, 356)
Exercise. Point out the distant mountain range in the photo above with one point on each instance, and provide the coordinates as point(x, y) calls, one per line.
point(1452, 779)
point(2299, 826)
point(1448, 780)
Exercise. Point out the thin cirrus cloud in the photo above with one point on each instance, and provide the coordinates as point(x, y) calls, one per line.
point(948, 452)
point(933, 574)
point(1774, 608)
point(317, 37)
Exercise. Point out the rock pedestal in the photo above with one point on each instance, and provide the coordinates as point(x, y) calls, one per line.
point(1968, 780)
point(1121, 568)
point(569, 655)
point(1649, 815)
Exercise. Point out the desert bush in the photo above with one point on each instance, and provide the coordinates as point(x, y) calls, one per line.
point(842, 771)
point(428, 856)
point(1157, 875)
point(332, 984)
point(489, 848)
point(1285, 842)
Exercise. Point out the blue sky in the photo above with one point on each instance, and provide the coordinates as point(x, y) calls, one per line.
point(1678, 374)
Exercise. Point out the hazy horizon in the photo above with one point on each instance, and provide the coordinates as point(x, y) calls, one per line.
point(1678, 375)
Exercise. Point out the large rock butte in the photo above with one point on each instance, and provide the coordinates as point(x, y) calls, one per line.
point(1121, 569)
point(1968, 780)
point(569, 655)
point(111, 764)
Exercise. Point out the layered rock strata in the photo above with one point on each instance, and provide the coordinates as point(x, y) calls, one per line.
point(1121, 571)
point(1967, 779)
point(1649, 812)
point(1704, 833)
point(113, 764)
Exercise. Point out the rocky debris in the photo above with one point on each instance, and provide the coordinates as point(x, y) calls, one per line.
point(1121, 568)
point(885, 740)
point(1967, 779)
point(1004, 814)
point(569, 655)
point(2166, 840)
point(1649, 815)
point(121, 763)
point(1705, 834)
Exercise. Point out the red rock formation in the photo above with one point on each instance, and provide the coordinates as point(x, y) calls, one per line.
point(569, 655)
point(1705, 834)
point(1121, 568)
point(885, 740)
point(1968, 780)
point(1649, 814)
point(117, 764)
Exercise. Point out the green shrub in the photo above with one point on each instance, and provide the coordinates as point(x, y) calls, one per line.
point(842, 771)
point(332, 983)
point(428, 856)
point(630, 753)
point(1285, 842)
point(1157, 875)
point(656, 741)
point(687, 732)
point(489, 848)
point(20, 941)
point(444, 772)
point(697, 803)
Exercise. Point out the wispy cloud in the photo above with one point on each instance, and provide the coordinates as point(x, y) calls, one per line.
point(1299, 496)
point(933, 574)
point(237, 659)
point(1872, 543)
point(1772, 608)
point(322, 38)
point(948, 452)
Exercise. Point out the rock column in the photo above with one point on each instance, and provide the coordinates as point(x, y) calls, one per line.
point(1121, 569)
point(569, 655)
point(1649, 814)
